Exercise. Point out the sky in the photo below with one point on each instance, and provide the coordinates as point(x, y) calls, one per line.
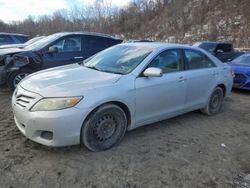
point(16, 10)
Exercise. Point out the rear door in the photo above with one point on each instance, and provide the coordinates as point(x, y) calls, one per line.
point(160, 97)
point(69, 51)
point(94, 44)
point(201, 75)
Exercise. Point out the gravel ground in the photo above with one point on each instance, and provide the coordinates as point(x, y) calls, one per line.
point(191, 150)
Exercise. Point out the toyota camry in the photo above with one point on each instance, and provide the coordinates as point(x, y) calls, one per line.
point(97, 101)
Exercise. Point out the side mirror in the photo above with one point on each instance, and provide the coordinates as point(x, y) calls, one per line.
point(53, 49)
point(153, 72)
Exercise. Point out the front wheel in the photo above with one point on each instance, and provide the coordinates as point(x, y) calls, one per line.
point(215, 102)
point(104, 128)
point(17, 76)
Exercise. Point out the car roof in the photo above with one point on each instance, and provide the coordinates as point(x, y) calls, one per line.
point(85, 33)
point(156, 45)
point(15, 34)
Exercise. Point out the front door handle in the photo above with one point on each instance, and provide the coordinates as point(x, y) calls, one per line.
point(80, 57)
point(182, 79)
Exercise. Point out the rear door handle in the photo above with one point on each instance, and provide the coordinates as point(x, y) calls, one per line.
point(80, 57)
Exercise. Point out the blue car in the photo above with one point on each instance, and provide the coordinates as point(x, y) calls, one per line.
point(241, 68)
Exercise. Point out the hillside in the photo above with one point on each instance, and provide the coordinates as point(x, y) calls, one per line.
point(184, 21)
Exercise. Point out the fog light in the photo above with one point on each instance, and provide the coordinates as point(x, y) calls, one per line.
point(47, 135)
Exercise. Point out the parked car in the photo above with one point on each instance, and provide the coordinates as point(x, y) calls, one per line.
point(54, 50)
point(21, 45)
point(119, 89)
point(241, 68)
point(12, 38)
point(222, 50)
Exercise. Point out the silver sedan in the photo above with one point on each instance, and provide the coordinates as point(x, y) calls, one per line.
point(119, 89)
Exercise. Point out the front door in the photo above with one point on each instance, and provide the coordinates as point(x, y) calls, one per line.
point(158, 98)
point(69, 51)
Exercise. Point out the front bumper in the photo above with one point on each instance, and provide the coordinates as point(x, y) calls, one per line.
point(241, 81)
point(62, 126)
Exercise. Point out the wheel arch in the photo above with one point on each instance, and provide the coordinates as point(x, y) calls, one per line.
point(120, 104)
point(223, 87)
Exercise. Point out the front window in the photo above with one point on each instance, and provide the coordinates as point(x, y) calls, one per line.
point(69, 44)
point(244, 59)
point(119, 59)
point(168, 61)
point(40, 44)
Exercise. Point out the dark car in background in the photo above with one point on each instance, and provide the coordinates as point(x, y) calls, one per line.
point(12, 38)
point(222, 50)
point(241, 68)
point(54, 50)
point(21, 45)
point(139, 40)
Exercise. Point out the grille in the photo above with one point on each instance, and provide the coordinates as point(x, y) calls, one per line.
point(239, 77)
point(23, 100)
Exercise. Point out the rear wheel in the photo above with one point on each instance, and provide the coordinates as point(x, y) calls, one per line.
point(104, 128)
point(215, 102)
point(17, 76)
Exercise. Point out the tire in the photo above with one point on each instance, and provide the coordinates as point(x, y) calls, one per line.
point(104, 128)
point(215, 102)
point(17, 76)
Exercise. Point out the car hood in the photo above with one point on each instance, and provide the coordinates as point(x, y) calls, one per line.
point(70, 80)
point(11, 46)
point(242, 67)
point(10, 51)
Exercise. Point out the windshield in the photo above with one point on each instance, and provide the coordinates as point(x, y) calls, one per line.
point(206, 46)
point(32, 40)
point(42, 43)
point(243, 59)
point(118, 59)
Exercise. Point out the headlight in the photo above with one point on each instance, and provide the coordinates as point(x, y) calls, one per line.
point(49, 104)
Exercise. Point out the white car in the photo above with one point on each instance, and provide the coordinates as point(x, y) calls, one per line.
point(121, 88)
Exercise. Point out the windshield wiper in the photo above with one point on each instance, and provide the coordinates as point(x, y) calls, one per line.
point(93, 67)
point(103, 70)
point(109, 71)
